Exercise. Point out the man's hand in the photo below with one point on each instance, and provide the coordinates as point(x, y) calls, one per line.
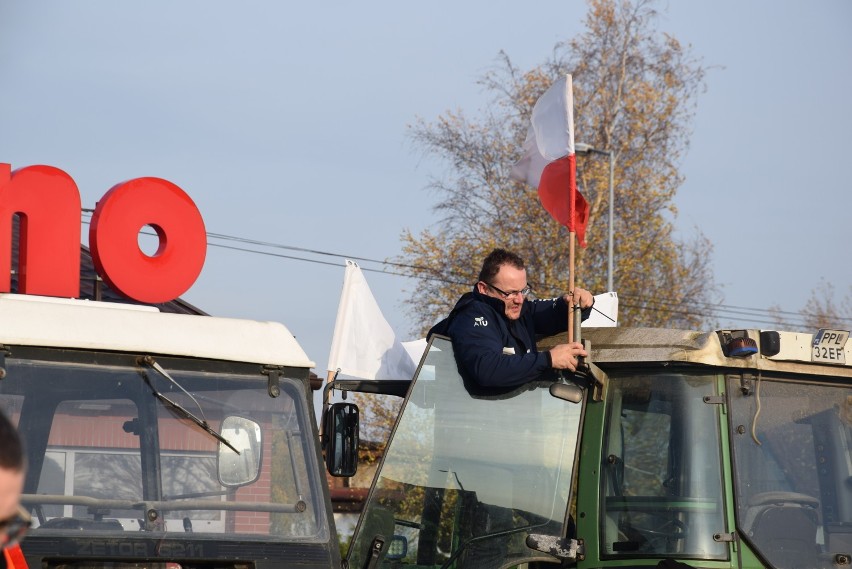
point(564, 356)
point(581, 296)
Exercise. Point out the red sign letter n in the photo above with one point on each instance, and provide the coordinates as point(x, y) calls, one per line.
point(47, 202)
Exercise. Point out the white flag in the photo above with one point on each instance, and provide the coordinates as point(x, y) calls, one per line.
point(605, 311)
point(550, 135)
point(364, 345)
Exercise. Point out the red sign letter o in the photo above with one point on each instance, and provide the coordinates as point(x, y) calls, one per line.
point(114, 240)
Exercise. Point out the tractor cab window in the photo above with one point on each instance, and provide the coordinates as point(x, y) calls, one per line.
point(662, 492)
point(793, 469)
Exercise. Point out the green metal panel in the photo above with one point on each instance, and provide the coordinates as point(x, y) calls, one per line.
point(587, 515)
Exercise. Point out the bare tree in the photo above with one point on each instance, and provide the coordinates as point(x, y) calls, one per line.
point(822, 310)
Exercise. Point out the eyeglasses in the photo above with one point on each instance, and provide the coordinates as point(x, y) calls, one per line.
point(523, 292)
point(15, 528)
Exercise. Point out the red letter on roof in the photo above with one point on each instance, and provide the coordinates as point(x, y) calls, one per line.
point(114, 239)
point(47, 202)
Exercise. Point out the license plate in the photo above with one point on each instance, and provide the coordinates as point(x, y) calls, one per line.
point(830, 346)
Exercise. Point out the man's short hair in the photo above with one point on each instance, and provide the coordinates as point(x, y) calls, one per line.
point(496, 259)
point(11, 449)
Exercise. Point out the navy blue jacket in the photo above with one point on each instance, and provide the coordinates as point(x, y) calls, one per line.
point(494, 351)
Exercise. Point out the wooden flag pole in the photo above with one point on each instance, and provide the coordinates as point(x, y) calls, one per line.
point(571, 236)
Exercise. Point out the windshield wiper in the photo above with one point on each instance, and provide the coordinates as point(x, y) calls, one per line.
point(479, 538)
point(177, 407)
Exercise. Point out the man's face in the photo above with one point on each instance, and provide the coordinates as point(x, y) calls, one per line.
point(508, 280)
point(11, 485)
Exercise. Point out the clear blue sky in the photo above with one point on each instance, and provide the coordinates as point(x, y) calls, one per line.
point(286, 122)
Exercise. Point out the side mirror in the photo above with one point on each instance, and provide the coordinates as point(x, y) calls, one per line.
point(566, 392)
point(245, 436)
point(340, 439)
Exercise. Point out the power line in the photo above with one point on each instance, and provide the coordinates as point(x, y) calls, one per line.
point(684, 308)
point(701, 309)
point(295, 258)
point(271, 245)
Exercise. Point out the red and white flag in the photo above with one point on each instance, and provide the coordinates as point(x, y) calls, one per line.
point(548, 160)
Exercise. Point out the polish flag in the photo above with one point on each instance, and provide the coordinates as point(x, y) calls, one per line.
point(548, 161)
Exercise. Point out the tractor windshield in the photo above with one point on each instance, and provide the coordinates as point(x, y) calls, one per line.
point(194, 460)
point(466, 477)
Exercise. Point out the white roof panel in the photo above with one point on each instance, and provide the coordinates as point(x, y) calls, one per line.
point(85, 324)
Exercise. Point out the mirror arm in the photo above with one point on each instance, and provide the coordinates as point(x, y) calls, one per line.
point(396, 387)
point(272, 385)
point(595, 375)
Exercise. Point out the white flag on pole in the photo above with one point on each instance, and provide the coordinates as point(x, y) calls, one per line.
point(550, 135)
point(605, 312)
point(364, 345)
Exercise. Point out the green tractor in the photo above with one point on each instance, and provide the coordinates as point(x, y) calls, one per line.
point(725, 449)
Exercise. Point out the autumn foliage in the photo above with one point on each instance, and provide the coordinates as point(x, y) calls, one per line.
point(635, 90)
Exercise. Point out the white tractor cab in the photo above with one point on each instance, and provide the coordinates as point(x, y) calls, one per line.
point(724, 449)
point(156, 439)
